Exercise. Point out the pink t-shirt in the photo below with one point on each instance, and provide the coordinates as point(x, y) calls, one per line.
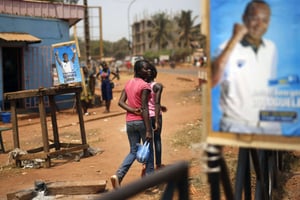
point(151, 103)
point(133, 89)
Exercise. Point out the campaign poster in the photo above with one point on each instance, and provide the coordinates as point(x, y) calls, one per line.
point(258, 89)
point(67, 62)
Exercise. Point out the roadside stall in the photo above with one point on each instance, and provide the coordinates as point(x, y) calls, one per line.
point(60, 148)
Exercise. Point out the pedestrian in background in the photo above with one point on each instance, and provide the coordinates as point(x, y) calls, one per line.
point(92, 67)
point(106, 87)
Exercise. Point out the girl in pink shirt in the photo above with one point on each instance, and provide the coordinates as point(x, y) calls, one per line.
point(155, 112)
point(134, 99)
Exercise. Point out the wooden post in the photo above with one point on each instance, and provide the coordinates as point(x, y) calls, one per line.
point(83, 82)
point(76, 40)
point(54, 122)
point(14, 121)
point(81, 122)
point(101, 33)
point(43, 121)
point(86, 30)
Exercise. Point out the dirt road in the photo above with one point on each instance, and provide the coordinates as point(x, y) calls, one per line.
point(106, 135)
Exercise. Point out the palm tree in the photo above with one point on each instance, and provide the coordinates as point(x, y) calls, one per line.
point(160, 33)
point(186, 29)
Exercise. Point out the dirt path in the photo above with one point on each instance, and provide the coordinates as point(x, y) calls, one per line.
point(106, 135)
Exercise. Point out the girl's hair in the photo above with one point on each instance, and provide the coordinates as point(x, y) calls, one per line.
point(138, 66)
point(153, 72)
point(103, 64)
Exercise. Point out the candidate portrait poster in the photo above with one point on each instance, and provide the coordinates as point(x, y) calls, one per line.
point(67, 62)
point(271, 98)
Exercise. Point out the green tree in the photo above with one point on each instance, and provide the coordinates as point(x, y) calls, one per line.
point(121, 49)
point(186, 29)
point(160, 33)
point(118, 49)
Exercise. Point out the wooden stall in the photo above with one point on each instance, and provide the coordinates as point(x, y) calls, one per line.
point(60, 148)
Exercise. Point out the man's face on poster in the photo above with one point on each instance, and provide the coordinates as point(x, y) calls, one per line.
point(66, 58)
point(257, 20)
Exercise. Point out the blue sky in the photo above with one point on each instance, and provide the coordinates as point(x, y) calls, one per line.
point(115, 14)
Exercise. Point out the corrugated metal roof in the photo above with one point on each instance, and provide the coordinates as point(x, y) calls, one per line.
point(19, 37)
point(45, 9)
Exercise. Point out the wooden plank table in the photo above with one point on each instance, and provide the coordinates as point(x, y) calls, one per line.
point(41, 93)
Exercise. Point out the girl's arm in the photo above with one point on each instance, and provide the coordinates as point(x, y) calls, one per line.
point(145, 113)
point(125, 106)
point(157, 89)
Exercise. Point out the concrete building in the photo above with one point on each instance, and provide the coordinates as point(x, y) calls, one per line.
point(141, 37)
point(27, 31)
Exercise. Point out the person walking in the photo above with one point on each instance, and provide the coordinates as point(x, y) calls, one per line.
point(134, 99)
point(93, 70)
point(155, 113)
point(106, 87)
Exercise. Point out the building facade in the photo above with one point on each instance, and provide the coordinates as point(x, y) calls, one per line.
point(141, 37)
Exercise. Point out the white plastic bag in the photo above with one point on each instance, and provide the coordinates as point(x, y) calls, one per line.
point(143, 152)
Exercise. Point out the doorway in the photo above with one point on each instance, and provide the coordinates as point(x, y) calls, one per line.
point(12, 71)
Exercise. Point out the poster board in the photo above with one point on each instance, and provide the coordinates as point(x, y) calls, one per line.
point(274, 100)
point(67, 62)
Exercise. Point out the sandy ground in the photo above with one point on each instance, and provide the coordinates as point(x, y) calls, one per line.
point(106, 135)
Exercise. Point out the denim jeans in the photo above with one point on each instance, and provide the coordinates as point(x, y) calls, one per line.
point(157, 140)
point(136, 131)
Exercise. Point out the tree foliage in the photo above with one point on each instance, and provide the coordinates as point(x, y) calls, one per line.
point(185, 28)
point(161, 29)
point(169, 36)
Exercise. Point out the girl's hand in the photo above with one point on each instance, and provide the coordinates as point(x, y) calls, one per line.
point(157, 126)
point(163, 108)
point(137, 111)
point(103, 74)
point(148, 135)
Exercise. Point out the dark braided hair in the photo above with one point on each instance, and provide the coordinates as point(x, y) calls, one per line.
point(153, 72)
point(138, 66)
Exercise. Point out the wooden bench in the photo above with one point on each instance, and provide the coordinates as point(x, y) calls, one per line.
point(1, 141)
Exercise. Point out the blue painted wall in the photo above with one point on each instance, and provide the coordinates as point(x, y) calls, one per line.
point(49, 30)
point(37, 58)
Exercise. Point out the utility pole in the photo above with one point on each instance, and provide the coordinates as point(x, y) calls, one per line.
point(100, 31)
point(130, 44)
point(86, 31)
